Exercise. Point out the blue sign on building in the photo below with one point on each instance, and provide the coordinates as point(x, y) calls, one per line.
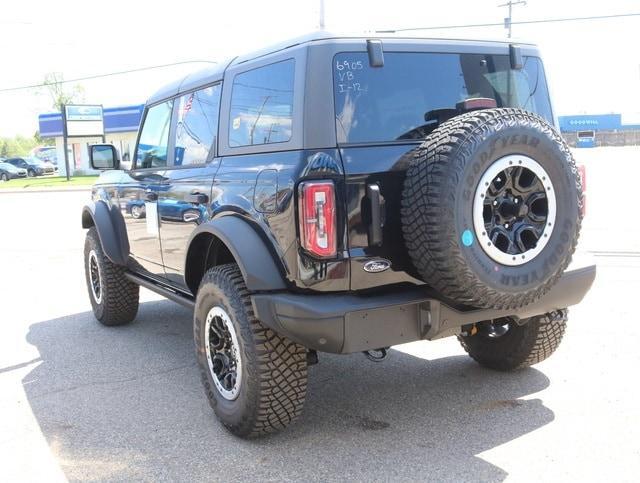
point(116, 119)
point(591, 122)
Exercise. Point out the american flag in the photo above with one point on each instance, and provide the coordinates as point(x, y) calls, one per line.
point(187, 105)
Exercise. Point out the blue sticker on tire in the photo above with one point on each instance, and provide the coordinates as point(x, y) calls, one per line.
point(467, 238)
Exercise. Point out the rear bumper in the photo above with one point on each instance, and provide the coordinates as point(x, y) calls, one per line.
point(346, 323)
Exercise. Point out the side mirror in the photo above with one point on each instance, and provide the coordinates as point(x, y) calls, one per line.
point(103, 156)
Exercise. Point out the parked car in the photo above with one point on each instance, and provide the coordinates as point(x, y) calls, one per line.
point(358, 193)
point(46, 153)
point(169, 209)
point(33, 165)
point(9, 171)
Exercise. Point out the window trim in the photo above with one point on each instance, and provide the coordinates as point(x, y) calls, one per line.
point(235, 77)
point(299, 56)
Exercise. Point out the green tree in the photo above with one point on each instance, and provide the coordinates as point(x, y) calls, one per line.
point(59, 92)
point(19, 145)
point(40, 141)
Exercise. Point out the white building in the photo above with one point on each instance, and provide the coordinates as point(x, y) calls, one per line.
point(120, 129)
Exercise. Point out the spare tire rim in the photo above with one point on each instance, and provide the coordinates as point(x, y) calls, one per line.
point(223, 353)
point(94, 276)
point(514, 210)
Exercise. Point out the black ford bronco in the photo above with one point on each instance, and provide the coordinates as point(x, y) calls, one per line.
point(343, 194)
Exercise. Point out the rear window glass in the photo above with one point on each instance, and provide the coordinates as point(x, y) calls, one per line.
point(413, 92)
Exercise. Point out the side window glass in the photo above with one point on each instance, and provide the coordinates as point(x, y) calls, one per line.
point(262, 105)
point(154, 138)
point(197, 125)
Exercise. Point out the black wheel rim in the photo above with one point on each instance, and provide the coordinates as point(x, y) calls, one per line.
point(94, 277)
point(223, 353)
point(514, 210)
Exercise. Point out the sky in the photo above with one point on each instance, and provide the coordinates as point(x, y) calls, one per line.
point(592, 66)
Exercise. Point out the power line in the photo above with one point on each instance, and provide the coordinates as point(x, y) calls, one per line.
point(522, 22)
point(97, 76)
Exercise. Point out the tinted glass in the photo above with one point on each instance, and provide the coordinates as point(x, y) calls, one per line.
point(413, 92)
point(154, 138)
point(197, 125)
point(262, 105)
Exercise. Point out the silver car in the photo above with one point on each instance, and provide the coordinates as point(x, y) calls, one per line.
point(9, 171)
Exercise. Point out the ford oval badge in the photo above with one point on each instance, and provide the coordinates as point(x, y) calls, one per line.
point(376, 266)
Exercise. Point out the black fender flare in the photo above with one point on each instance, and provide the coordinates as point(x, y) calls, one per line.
point(258, 265)
point(111, 229)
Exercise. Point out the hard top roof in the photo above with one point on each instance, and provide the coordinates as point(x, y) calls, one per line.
point(215, 73)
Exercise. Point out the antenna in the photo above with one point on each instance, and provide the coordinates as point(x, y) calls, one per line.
point(507, 20)
point(321, 20)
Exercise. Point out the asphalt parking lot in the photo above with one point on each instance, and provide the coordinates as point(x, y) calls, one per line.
point(79, 401)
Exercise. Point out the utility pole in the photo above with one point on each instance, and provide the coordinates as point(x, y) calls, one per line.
point(510, 4)
point(65, 136)
point(321, 22)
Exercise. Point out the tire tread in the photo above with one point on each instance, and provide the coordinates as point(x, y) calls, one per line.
point(280, 364)
point(120, 296)
point(533, 342)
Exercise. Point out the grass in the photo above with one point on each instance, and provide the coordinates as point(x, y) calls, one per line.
point(48, 182)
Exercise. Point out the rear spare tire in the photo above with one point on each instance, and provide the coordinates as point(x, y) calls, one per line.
point(491, 208)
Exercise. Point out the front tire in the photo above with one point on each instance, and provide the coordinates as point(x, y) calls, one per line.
point(31, 173)
point(114, 298)
point(138, 211)
point(255, 379)
point(503, 345)
point(4, 177)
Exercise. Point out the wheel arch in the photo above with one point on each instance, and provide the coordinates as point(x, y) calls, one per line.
point(230, 239)
point(111, 229)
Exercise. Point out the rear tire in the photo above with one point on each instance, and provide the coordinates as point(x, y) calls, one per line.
point(521, 346)
point(261, 383)
point(114, 298)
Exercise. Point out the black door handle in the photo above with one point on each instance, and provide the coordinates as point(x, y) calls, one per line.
point(151, 196)
point(196, 198)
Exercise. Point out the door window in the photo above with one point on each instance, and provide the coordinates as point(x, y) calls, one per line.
point(197, 125)
point(154, 138)
point(262, 105)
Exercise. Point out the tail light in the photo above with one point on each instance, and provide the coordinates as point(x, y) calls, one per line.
point(317, 212)
point(583, 178)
